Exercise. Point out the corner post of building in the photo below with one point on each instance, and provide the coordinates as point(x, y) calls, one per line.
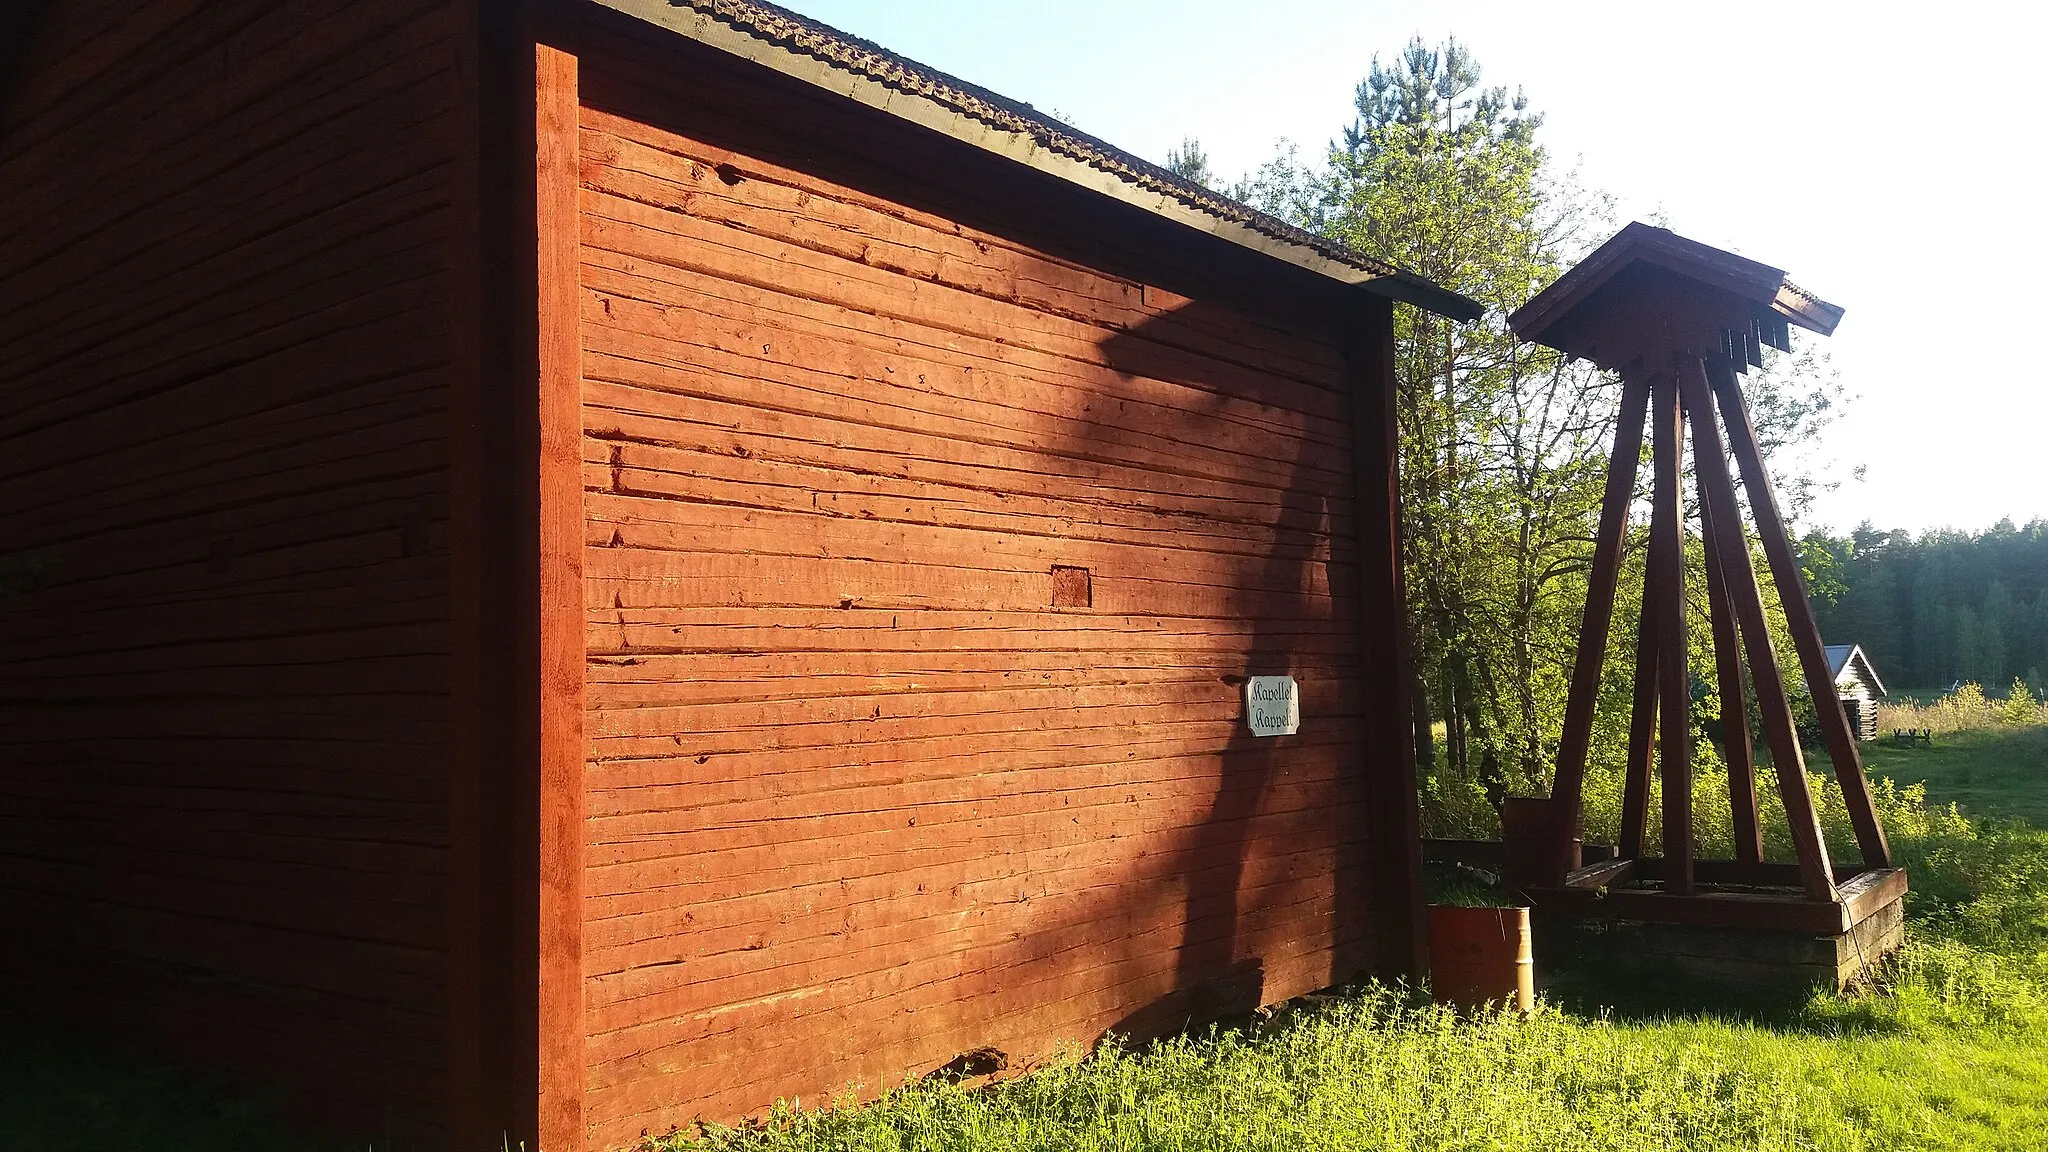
point(1384, 656)
point(559, 420)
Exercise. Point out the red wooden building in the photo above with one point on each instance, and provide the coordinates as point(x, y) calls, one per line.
point(568, 569)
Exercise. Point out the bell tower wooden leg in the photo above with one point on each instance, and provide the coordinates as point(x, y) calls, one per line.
point(1735, 747)
point(1813, 658)
point(1642, 735)
point(1577, 737)
point(1816, 872)
point(1666, 593)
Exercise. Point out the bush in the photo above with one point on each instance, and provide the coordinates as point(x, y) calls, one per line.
point(2020, 709)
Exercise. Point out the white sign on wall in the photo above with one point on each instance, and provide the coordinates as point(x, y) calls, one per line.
point(1272, 705)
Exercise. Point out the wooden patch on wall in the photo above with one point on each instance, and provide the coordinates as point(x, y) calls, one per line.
point(1071, 587)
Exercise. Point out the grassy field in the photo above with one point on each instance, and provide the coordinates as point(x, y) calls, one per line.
point(1950, 1053)
point(1995, 772)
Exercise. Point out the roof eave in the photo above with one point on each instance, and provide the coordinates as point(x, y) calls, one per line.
point(1805, 309)
point(1753, 280)
point(1023, 148)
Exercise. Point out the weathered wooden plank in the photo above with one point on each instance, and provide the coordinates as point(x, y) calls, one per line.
point(1082, 274)
point(634, 408)
point(771, 362)
point(647, 233)
point(562, 510)
point(858, 682)
point(1050, 373)
point(225, 260)
point(935, 972)
point(648, 525)
point(859, 1037)
point(824, 218)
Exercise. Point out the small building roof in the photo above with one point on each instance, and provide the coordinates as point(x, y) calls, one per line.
point(869, 74)
point(1850, 659)
point(1649, 286)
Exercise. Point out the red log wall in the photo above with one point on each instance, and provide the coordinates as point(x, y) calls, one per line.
point(280, 699)
point(861, 799)
point(225, 285)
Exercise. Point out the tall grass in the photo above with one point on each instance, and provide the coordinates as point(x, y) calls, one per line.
point(1964, 709)
point(1382, 1071)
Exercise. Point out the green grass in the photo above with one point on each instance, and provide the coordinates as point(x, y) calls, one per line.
point(1379, 1072)
point(1951, 1053)
point(1990, 772)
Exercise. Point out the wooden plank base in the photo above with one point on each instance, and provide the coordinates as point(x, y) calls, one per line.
point(1753, 958)
point(1735, 902)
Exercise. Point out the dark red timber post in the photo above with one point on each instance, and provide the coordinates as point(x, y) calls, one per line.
point(1383, 640)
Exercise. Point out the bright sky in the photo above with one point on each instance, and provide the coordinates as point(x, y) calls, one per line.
point(1887, 156)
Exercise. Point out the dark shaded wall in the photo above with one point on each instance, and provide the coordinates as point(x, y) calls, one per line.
point(225, 342)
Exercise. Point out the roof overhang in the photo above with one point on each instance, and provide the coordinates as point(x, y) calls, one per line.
point(1720, 285)
point(868, 75)
point(1844, 659)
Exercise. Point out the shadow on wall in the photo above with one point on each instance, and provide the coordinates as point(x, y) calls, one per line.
point(1271, 862)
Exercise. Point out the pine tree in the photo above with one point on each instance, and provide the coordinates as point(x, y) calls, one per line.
point(1190, 163)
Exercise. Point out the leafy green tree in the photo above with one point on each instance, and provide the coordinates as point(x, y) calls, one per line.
point(1503, 445)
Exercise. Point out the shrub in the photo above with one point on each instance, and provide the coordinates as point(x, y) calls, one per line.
point(1959, 711)
point(2020, 709)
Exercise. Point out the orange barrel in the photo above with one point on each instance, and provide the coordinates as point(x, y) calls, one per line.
point(1478, 955)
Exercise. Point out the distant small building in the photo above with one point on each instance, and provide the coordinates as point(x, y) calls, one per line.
point(1858, 687)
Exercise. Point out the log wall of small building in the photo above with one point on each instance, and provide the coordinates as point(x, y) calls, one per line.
point(861, 798)
point(1854, 694)
point(224, 637)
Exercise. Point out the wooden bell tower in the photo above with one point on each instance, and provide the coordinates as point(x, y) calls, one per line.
point(1681, 322)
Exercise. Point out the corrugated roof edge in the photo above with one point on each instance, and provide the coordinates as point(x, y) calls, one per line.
point(870, 74)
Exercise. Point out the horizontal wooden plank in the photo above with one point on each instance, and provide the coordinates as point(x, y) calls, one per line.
point(780, 361)
point(668, 170)
point(629, 228)
point(626, 577)
point(1087, 514)
point(665, 525)
point(227, 258)
point(764, 628)
point(773, 939)
point(628, 400)
point(958, 757)
point(931, 987)
point(1041, 842)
